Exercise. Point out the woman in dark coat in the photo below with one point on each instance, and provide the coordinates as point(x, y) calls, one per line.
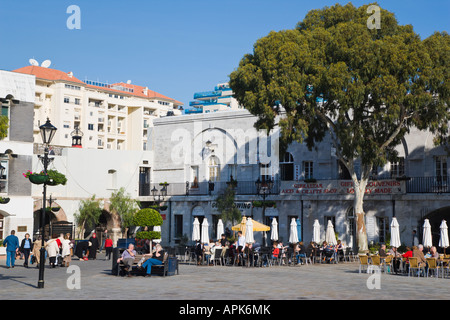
point(26, 247)
point(94, 247)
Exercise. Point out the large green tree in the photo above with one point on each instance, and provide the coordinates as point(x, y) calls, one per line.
point(365, 88)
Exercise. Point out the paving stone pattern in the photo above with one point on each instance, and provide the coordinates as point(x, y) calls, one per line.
point(314, 282)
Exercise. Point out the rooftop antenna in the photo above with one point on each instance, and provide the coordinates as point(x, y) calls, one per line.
point(33, 62)
point(46, 64)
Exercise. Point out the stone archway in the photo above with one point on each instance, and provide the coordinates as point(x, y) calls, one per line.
point(59, 215)
point(50, 216)
point(435, 218)
point(113, 223)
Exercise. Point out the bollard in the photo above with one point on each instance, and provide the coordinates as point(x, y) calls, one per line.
point(115, 265)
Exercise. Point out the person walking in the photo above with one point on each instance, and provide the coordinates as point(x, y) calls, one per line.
point(94, 247)
point(66, 252)
point(108, 247)
point(25, 247)
point(53, 250)
point(12, 247)
point(36, 251)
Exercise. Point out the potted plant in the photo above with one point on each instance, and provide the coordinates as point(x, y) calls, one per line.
point(257, 204)
point(148, 218)
point(36, 178)
point(270, 204)
point(4, 200)
point(55, 178)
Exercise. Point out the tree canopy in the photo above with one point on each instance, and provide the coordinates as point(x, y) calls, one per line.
point(364, 87)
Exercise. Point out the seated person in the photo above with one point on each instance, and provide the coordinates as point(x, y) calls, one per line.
point(434, 253)
point(127, 258)
point(207, 251)
point(382, 251)
point(418, 253)
point(328, 251)
point(275, 251)
point(300, 251)
point(156, 258)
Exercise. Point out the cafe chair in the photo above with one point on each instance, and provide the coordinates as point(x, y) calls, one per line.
point(432, 265)
point(387, 264)
point(363, 262)
point(375, 265)
point(217, 256)
point(414, 265)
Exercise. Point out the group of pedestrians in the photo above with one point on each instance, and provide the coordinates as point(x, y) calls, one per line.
point(57, 248)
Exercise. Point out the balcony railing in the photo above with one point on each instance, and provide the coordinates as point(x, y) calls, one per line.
point(204, 188)
point(436, 185)
point(207, 94)
point(440, 184)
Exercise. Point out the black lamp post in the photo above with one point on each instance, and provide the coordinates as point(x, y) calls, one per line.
point(161, 195)
point(47, 133)
point(264, 188)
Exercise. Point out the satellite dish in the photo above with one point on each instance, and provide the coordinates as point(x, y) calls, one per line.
point(129, 82)
point(46, 64)
point(33, 62)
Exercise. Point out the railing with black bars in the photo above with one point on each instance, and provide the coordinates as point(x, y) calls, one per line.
point(205, 188)
point(436, 185)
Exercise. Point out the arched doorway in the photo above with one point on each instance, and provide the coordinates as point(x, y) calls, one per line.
point(53, 214)
point(435, 218)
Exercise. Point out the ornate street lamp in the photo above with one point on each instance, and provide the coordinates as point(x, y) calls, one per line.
point(159, 195)
point(263, 189)
point(76, 134)
point(47, 133)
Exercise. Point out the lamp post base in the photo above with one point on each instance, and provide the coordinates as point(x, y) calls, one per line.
point(40, 284)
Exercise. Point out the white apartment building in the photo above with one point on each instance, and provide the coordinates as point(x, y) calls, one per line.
point(220, 99)
point(115, 116)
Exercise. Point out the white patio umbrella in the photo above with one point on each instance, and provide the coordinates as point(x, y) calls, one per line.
point(316, 232)
point(395, 233)
point(196, 230)
point(219, 228)
point(274, 233)
point(205, 231)
point(427, 240)
point(249, 231)
point(330, 237)
point(293, 237)
point(443, 240)
point(157, 228)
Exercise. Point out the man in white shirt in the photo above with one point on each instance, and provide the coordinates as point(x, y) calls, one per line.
point(240, 242)
point(240, 245)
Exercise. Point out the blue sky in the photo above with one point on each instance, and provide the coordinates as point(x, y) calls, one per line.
point(174, 47)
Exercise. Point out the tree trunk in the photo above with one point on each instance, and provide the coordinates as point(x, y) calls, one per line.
point(358, 206)
point(361, 232)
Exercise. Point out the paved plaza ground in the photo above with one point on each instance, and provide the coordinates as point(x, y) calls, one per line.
point(315, 282)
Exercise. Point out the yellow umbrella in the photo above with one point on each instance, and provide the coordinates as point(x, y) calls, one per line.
point(257, 226)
